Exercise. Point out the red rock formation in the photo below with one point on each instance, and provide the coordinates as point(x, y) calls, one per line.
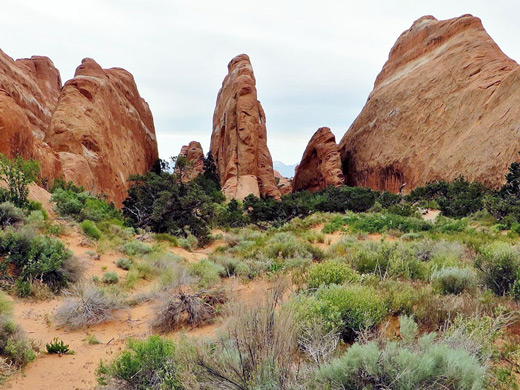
point(444, 105)
point(195, 157)
point(99, 132)
point(321, 163)
point(102, 130)
point(239, 138)
point(284, 184)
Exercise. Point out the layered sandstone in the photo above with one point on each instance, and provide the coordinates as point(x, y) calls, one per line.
point(239, 138)
point(195, 158)
point(321, 164)
point(95, 131)
point(444, 105)
point(102, 130)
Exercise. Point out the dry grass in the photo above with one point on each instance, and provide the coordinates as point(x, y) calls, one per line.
point(87, 305)
point(184, 308)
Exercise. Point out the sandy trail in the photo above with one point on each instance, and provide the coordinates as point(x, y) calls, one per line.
point(52, 372)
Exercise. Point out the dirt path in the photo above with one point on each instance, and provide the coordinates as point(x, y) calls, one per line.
point(77, 371)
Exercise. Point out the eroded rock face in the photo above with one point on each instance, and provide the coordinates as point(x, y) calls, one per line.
point(283, 183)
point(239, 138)
point(102, 130)
point(321, 164)
point(195, 157)
point(95, 131)
point(444, 105)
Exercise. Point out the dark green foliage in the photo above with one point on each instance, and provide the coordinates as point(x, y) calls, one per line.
point(459, 198)
point(341, 199)
point(90, 229)
point(18, 173)
point(34, 257)
point(82, 205)
point(388, 199)
point(58, 347)
point(164, 204)
point(145, 365)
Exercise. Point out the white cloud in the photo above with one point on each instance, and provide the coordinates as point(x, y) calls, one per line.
point(315, 62)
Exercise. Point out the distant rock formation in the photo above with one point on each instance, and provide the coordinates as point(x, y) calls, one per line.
point(321, 164)
point(284, 184)
point(239, 138)
point(444, 105)
point(195, 157)
point(95, 131)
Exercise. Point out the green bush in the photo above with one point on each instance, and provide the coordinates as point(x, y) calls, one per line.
point(37, 257)
point(208, 272)
point(17, 174)
point(454, 280)
point(149, 364)
point(90, 229)
point(330, 272)
point(136, 248)
point(81, 206)
point(10, 214)
point(426, 362)
point(124, 263)
point(58, 347)
point(499, 264)
point(357, 306)
point(110, 278)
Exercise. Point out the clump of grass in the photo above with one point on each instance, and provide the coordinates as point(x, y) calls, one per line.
point(136, 248)
point(124, 263)
point(90, 229)
point(110, 278)
point(87, 304)
point(454, 280)
point(330, 272)
point(208, 272)
point(184, 308)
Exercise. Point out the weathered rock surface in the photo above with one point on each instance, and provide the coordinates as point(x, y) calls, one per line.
point(321, 164)
point(239, 138)
point(95, 131)
point(283, 183)
point(195, 158)
point(102, 130)
point(444, 105)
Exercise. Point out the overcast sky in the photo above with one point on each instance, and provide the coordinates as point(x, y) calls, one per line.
point(315, 62)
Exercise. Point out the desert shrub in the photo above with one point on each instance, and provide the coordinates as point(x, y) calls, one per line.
point(35, 257)
point(189, 242)
point(82, 205)
point(387, 259)
point(403, 298)
point(183, 308)
point(499, 264)
point(10, 214)
point(255, 351)
point(340, 199)
point(286, 246)
point(90, 229)
point(383, 222)
point(425, 362)
point(15, 349)
point(330, 272)
point(124, 263)
point(454, 280)
point(149, 364)
point(168, 238)
point(388, 199)
point(404, 210)
point(85, 305)
point(449, 225)
point(233, 266)
point(136, 248)
point(110, 278)
point(17, 174)
point(208, 272)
